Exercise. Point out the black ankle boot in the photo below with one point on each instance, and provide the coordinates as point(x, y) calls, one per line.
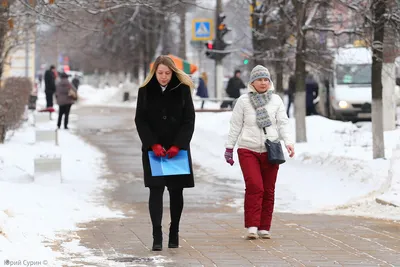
point(173, 241)
point(157, 239)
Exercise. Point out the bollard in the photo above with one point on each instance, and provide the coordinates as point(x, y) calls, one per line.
point(48, 169)
point(41, 117)
point(46, 136)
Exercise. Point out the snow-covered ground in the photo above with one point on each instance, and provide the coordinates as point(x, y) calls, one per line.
point(44, 207)
point(333, 172)
point(88, 95)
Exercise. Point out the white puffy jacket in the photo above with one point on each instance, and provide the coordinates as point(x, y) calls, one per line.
point(245, 131)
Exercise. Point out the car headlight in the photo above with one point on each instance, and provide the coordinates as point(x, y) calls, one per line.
point(343, 104)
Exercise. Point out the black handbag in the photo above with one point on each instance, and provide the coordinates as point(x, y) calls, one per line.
point(275, 152)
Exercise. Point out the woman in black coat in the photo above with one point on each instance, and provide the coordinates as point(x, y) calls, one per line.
point(165, 119)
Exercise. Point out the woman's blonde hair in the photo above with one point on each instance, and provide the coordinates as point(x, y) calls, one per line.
point(167, 61)
point(204, 77)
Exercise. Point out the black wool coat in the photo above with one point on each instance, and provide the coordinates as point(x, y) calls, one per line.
point(49, 81)
point(165, 118)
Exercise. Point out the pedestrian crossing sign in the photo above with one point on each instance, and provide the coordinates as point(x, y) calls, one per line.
point(202, 29)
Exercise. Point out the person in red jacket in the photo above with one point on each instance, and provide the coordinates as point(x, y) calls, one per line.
point(164, 120)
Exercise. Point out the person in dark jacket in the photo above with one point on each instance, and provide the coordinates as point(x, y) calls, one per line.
point(76, 82)
point(50, 85)
point(202, 90)
point(291, 92)
point(165, 120)
point(64, 99)
point(233, 89)
point(311, 94)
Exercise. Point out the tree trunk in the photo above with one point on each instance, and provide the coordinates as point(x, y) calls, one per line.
point(256, 28)
point(279, 76)
point(182, 29)
point(2, 134)
point(142, 67)
point(165, 44)
point(279, 64)
point(300, 100)
point(300, 95)
point(390, 52)
point(378, 142)
point(3, 34)
point(134, 72)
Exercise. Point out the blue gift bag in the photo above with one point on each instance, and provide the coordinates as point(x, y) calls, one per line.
point(163, 166)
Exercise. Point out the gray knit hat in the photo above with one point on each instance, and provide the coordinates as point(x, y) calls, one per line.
point(259, 72)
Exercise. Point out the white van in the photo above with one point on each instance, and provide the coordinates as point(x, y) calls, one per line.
point(351, 93)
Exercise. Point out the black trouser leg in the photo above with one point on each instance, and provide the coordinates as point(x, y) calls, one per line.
point(66, 117)
point(61, 112)
point(156, 212)
point(176, 207)
point(49, 99)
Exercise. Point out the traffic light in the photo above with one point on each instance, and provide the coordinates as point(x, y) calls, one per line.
point(246, 61)
point(209, 52)
point(216, 47)
point(221, 31)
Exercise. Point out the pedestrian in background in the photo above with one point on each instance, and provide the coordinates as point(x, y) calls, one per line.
point(66, 96)
point(312, 89)
point(76, 82)
point(233, 89)
point(50, 85)
point(202, 90)
point(165, 120)
point(291, 92)
point(257, 116)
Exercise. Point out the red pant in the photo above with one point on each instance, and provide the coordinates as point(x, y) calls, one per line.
point(259, 177)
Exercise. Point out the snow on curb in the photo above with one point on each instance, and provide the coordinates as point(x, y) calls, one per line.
point(54, 208)
point(392, 197)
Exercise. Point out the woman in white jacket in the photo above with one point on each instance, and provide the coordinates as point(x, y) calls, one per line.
point(258, 115)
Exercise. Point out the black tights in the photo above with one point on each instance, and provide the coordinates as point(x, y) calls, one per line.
point(156, 205)
point(63, 110)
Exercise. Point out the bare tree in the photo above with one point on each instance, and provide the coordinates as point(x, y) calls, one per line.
point(126, 31)
point(381, 30)
point(311, 21)
point(378, 11)
point(301, 8)
point(182, 31)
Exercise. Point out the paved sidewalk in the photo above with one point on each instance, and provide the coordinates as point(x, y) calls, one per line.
point(211, 231)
